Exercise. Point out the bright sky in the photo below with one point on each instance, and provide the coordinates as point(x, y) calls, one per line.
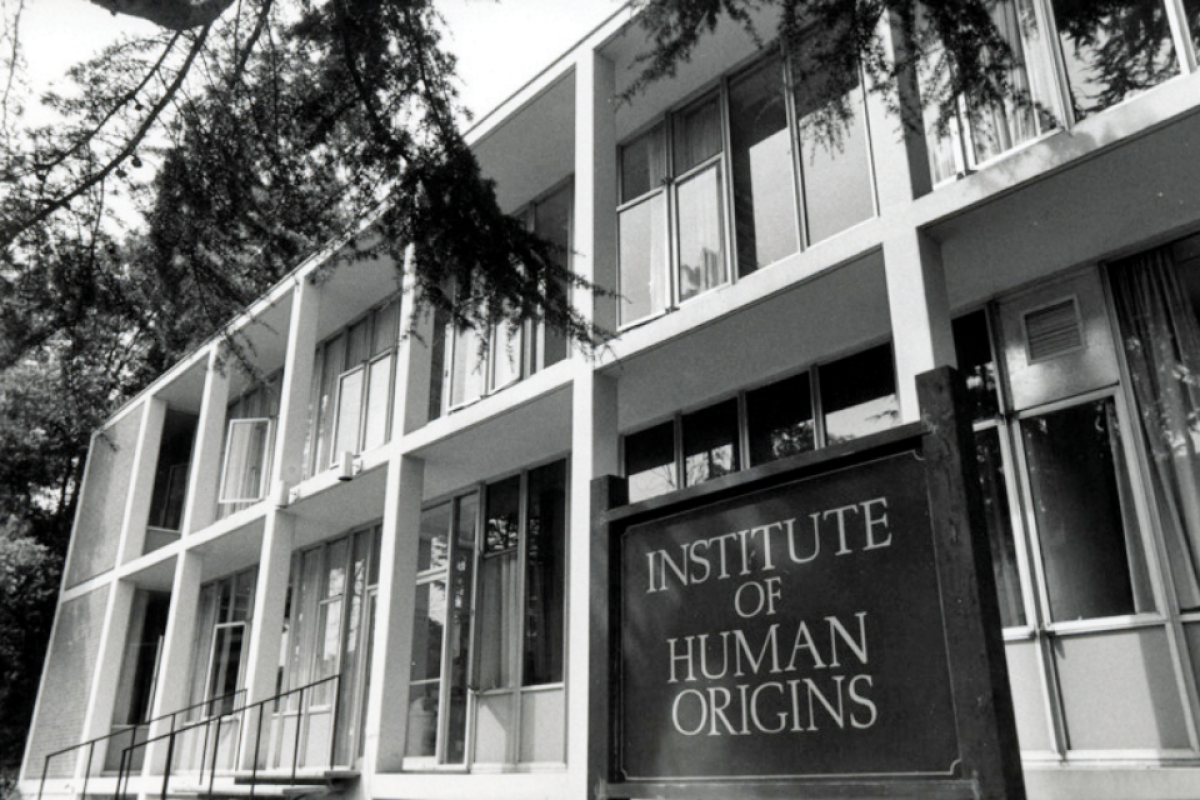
point(500, 44)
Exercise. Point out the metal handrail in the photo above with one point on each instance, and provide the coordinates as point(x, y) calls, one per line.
point(90, 744)
point(260, 705)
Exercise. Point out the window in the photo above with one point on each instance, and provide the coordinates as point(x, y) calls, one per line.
point(353, 377)
point(222, 631)
point(249, 442)
point(462, 371)
point(503, 566)
point(1077, 553)
point(764, 189)
point(1106, 53)
point(327, 626)
point(793, 172)
point(835, 160)
point(857, 398)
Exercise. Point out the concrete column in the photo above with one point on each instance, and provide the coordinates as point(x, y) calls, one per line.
point(920, 312)
point(102, 698)
point(266, 627)
point(595, 221)
point(141, 480)
point(205, 473)
point(175, 661)
point(900, 153)
point(594, 452)
point(387, 718)
point(288, 465)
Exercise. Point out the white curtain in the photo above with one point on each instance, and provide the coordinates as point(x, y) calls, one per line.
point(1161, 337)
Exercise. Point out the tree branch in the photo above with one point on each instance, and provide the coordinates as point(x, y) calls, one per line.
point(125, 152)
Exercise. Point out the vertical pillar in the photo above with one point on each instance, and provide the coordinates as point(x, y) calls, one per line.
point(141, 480)
point(171, 693)
point(385, 732)
point(920, 312)
point(595, 216)
point(270, 596)
point(288, 465)
point(102, 698)
point(270, 592)
point(594, 449)
point(205, 473)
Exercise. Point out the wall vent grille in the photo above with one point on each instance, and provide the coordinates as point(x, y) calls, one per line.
point(1053, 330)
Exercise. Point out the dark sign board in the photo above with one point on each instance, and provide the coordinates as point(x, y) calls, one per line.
point(792, 631)
point(820, 626)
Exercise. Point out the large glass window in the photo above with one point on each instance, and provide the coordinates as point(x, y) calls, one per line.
point(463, 369)
point(650, 462)
point(710, 443)
point(222, 631)
point(834, 154)
point(780, 417)
point(353, 378)
point(764, 194)
point(512, 583)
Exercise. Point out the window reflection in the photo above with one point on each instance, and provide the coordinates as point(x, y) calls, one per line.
point(1090, 539)
point(858, 395)
point(710, 443)
point(780, 418)
point(764, 202)
point(1113, 50)
point(650, 462)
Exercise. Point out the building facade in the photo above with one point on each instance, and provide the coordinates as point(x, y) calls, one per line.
point(373, 557)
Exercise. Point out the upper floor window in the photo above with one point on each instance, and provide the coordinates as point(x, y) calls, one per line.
point(788, 172)
point(353, 377)
point(470, 363)
point(249, 441)
point(1070, 60)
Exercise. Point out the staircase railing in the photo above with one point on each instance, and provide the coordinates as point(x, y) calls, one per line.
point(261, 709)
point(132, 731)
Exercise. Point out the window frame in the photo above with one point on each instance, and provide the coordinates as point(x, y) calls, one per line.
point(267, 459)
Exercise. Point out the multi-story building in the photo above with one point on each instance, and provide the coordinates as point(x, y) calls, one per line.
point(375, 555)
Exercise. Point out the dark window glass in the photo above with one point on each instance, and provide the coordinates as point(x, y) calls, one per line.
point(710, 443)
point(458, 649)
point(429, 615)
point(780, 419)
point(502, 528)
point(650, 462)
point(976, 363)
point(643, 164)
point(993, 489)
point(545, 571)
point(858, 395)
point(1090, 541)
point(433, 547)
point(1113, 50)
point(697, 135)
point(764, 201)
point(1192, 8)
point(552, 220)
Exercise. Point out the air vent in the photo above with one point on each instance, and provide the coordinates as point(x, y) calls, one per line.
point(1053, 330)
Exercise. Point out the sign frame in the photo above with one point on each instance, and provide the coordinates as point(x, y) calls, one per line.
point(988, 764)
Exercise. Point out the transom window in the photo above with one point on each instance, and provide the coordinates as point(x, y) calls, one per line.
point(856, 397)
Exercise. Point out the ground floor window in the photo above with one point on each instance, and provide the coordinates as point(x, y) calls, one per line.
point(486, 686)
point(325, 652)
point(1084, 445)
